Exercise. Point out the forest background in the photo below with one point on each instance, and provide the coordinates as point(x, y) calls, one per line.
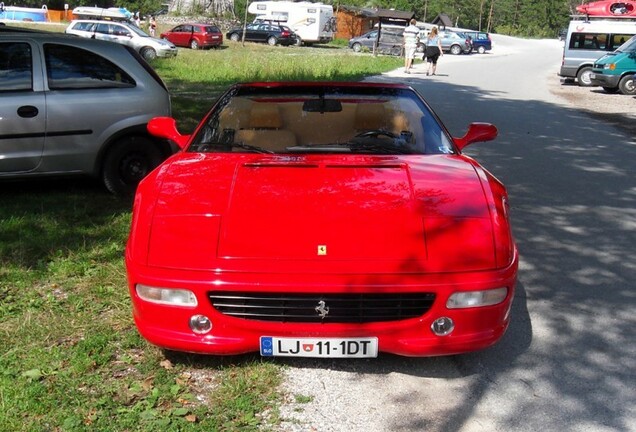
point(526, 18)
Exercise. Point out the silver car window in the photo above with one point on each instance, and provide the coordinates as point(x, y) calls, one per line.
point(69, 67)
point(16, 70)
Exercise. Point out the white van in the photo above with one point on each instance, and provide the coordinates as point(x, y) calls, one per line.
point(589, 39)
point(312, 22)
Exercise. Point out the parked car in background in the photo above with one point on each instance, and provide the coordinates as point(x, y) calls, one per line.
point(321, 219)
point(270, 33)
point(125, 34)
point(453, 42)
point(481, 41)
point(195, 36)
point(75, 106)
point(390, 42)
point(587, 41)
point(615, 71)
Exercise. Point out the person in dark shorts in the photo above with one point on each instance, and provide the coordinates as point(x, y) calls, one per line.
point(433, 51)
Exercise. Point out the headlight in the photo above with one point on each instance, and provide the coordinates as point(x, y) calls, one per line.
point(468, 299)
point(610, 66)
point(166, 296)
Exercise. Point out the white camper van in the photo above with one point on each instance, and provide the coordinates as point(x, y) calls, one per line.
point(312, 22)
point(591, 38)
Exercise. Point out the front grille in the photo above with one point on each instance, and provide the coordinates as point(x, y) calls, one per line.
point(308, 308)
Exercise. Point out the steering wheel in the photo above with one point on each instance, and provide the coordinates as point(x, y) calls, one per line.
point(376, 133)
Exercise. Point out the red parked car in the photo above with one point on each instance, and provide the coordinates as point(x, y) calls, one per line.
point(321, 220)
point(195, 36)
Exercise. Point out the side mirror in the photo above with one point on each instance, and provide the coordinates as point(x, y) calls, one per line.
point(166, 127)
point(476, 132)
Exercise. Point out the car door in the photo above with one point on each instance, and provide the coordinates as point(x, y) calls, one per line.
point(252, 32)
point(180, 36)
point(22, 106)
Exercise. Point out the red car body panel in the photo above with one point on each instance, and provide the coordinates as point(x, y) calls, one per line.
point(254, 223)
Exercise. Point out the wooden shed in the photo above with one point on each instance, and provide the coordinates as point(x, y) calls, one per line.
point(354, 21)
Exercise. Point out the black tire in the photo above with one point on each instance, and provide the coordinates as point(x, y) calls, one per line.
point(356, 47)
point(148, 53)
point(583, 76)
point(272, 41)
point(455, 49)
point(234, 37)
point(194, 44)
point(128, 161)
point(481, 50)
point(627, 85)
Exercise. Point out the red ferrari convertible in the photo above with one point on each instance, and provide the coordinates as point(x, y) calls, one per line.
point(321, 220)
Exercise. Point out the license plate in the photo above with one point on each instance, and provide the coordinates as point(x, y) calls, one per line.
point(319, 347)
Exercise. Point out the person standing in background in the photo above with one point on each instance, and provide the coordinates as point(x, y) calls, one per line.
point(433, 50)
point(411, 39)
point(153, 26)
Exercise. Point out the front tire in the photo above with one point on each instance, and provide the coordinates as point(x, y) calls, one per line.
point(356, 47)
point(271, 41)
point(127, 162)
point(456, 50)
point(627, 85)
point(583, 76)
point(148, 53)
point(194, 44)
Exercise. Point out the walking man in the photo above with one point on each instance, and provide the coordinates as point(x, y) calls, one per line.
point(411, 39)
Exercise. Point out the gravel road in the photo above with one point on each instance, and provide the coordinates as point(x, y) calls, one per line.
point(426, 394)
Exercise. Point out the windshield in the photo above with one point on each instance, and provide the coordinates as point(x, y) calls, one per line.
point(322, 119)
point(629, 46)
point(139, 31)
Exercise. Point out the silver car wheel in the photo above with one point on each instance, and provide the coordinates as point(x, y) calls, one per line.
point(357, 47)
point(148, 53)
point(456, 50)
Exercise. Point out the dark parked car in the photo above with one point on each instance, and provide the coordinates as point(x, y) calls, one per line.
point(390, 41)
point(76, 106)
point(481, 41)
point(273, 34)
point(194, 36)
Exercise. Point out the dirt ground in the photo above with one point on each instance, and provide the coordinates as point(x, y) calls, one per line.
point(616, 109)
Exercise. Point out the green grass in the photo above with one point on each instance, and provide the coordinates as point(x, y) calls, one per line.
point(71, 358)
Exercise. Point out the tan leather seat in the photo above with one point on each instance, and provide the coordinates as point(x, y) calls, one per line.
point(266, 129)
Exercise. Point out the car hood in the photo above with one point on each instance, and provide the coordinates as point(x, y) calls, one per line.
point(418, 213)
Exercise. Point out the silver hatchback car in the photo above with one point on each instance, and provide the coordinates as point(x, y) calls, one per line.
point(125, 34)
point(77, 106)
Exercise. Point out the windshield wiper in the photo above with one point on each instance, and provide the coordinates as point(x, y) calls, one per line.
point(217, 146)
point(250, 147)
point(372, 147)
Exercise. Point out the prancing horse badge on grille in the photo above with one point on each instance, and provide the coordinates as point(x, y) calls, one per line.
point(322, 309)
point(322, 249)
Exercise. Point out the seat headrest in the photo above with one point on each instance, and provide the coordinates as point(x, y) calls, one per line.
point(370, 116)
point(265, 116)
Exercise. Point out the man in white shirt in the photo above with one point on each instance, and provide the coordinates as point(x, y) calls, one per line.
point(411, 39)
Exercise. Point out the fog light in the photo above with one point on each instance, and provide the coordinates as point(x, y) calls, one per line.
point(443, 326)
point(167, 296)
point(467, 299)
point(200, 324)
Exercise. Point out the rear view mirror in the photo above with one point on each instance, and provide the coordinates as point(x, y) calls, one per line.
point(322, 105)
point(166, 127)
point(477, 132)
